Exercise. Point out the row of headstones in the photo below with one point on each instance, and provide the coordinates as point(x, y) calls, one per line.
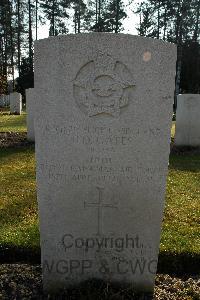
point(14, 100)
point(187, 118)
point(102, 121)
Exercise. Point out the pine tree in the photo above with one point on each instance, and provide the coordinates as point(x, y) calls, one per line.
point(106, 15)
point(55, 12)
point(6, 40)
point(175, 21)
point(79, 8)
point(145, 12)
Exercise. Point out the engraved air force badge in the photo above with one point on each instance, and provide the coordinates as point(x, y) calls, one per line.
point(103, 86)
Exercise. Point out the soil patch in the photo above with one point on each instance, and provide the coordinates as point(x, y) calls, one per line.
point(13, 139)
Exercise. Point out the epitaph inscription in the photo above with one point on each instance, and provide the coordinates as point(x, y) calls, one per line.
point(103, 86)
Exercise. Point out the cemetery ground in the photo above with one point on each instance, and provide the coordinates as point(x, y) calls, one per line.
point(12, 123)
point(20, 272)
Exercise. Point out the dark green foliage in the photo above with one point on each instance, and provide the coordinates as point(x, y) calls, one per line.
point(26, 79)
point(55, 12)
point(106, 15)
point(190, 75)
point(176, 21)
point(3, 84)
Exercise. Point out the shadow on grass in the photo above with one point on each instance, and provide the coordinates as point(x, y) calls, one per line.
point(6, 152)
point(175, 264)
point(185, 162)
point(179, 264)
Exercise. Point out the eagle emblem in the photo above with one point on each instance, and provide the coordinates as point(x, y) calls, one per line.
point(103, 86)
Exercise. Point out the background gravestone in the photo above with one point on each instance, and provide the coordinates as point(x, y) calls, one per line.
point(15, 103)
point(30, 103)
point(1, 100)
point(187, 120)
point(4, 100)
point(7, 100)
point(102, 125)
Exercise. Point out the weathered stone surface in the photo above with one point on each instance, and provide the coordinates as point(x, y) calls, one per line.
point(2, 100)
point(187, 120)
point(15, 103)
point(30, 105)
point(102, 125)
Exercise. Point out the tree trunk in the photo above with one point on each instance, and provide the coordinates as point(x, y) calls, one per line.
point(196, 31)
point(79, 17)
point(75, 22)
point(53, 18)
point(11, 43)
point(99, 15)
point(36, 20)
point(158, 29)
point(30, 35)
point(18, 38)
point(178, 20)
point(165, 20)
point(96, 13)
point(117, 17)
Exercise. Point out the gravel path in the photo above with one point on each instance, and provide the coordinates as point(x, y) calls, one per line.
point(21, 281)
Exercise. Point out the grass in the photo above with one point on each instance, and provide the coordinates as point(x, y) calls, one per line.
point(173, 129)
point(13, 123)
point(181, 224)
point(18, 208)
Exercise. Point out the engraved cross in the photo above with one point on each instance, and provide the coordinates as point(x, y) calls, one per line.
point(100, 206)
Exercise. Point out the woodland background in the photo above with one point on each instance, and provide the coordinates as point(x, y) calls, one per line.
point(176, 21)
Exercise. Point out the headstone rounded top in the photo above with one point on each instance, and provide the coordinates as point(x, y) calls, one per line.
point(99, 35)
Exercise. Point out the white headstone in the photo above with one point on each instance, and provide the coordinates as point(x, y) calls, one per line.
point(102, 125)
point(4, 100)
point(1, 101)
point(30, 103)
point(188, 120)
point(7, 100)
point(15, 103)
